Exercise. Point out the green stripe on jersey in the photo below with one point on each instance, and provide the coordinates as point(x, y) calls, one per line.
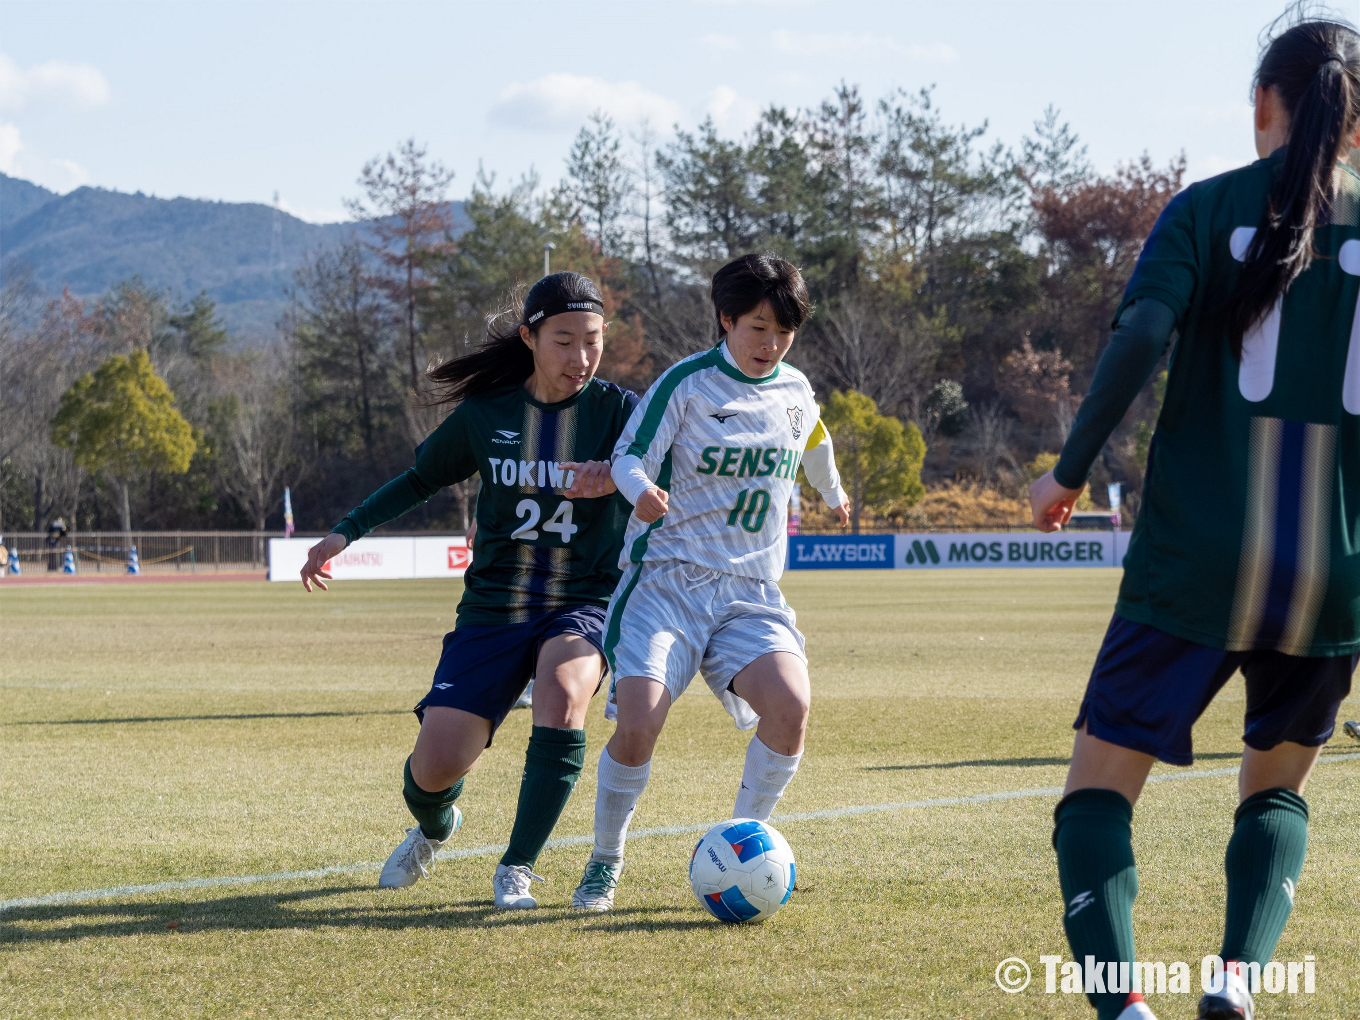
point(656, 405)
point(729, 369)
point(611, 634)
point(663, 481)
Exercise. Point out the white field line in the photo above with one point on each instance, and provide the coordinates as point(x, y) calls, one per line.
point(122, 891)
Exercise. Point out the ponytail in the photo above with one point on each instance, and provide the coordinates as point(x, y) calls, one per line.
point(1314, 67)
point(503, 358)
point(499, 360)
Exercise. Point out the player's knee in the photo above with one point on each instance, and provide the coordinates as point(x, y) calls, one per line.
point(633, 745)
point(438, 771)
point(790, 715)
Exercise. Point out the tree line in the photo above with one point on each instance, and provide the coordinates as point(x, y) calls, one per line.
point(964, 290)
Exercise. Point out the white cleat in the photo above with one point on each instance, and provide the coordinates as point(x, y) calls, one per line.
point(414, 858)
point(511, 886)
point(596, 891)
point(1137, 1011)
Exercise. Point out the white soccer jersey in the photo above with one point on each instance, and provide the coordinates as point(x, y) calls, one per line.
point(726, 447)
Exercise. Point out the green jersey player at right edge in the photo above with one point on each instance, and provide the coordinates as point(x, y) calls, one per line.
point(709, 459)
point(1245, 553)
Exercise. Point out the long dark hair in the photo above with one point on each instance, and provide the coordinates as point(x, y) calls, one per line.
point(1314, 67)
point(503, 357)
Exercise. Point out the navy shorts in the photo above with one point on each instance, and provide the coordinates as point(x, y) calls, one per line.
point(484, 668)
point(1148, 687)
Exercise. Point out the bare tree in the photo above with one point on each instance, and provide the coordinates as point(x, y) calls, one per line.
point(405, 198)
point(885, 353)
point(38, 362)
point(991, 433)
point(261, 434)
point(647, 192)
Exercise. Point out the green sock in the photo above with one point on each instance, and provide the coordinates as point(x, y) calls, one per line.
point(1092, 832)
point(433, 811)
point(1265, 856)
point(551, 765)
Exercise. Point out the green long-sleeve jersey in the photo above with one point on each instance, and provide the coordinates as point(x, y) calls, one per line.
point(1249, 533)
point(535, 550)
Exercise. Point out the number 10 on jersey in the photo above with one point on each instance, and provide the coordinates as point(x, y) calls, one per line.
point(752, 506)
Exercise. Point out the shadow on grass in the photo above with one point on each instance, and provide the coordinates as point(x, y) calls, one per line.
point(299, 909)
point(1017, 762)
point(204, 718)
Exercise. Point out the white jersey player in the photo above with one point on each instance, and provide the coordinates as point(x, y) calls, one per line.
point(709, 459)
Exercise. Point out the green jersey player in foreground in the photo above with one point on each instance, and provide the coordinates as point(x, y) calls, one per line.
point(538, 428)
point(709, 460)
point(1258, 270)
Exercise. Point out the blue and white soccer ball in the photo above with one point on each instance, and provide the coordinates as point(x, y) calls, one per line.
point(742, 870)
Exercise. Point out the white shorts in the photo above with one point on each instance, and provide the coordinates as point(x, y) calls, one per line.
point(670, 620)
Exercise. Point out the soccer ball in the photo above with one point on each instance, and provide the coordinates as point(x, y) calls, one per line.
point(742, 870)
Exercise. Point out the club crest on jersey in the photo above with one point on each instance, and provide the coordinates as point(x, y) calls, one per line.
point(796, 422)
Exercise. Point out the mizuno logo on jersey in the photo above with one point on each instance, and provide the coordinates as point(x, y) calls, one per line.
point(722, 416)
point(507, 438)
point(746, 462)
point(525, 474)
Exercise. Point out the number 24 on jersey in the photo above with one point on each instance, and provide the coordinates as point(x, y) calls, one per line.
point(560, 521)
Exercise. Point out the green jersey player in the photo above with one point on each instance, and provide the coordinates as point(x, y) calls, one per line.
point(709, 459)
point(1244, 552)
point(536, 426)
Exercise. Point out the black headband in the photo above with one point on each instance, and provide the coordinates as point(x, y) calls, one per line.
point(558, 305)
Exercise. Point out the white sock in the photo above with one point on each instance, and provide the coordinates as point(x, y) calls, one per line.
point(763, 780)
point(617, 790)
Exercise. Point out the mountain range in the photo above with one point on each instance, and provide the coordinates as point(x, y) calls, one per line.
point(243, 254)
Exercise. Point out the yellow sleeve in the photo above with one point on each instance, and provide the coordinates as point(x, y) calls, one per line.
point(817, 436)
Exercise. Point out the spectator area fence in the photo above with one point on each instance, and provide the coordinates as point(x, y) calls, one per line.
point(191, 552)
point(158, 552)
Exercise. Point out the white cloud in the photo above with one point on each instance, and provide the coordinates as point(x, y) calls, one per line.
point(18, 160)
point(816, 44)
point(1203, 167)
point(71, 173)
point(718, 41)
point(311, 215)
point(82, 86)
point(561, 102)
point(730, 111)
point(9, 148)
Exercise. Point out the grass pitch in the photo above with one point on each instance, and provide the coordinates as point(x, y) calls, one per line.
point(166, 732)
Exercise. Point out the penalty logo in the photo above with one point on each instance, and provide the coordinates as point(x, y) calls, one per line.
point(1080, 902)
point(796, 422)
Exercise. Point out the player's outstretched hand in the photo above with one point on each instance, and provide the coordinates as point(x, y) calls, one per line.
point(652, 505)
point(590, 479)
point(843, 513)
point(1051, 503)
point(315, 567)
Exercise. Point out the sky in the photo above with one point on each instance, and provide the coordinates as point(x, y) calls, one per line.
point(235, 99)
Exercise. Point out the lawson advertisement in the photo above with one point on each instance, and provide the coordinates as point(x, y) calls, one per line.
point(941, 551)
